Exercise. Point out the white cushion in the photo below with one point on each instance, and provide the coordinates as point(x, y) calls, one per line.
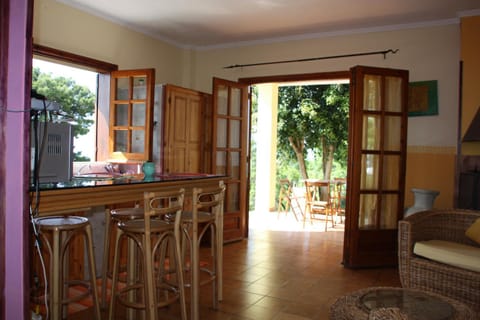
point(451, 253)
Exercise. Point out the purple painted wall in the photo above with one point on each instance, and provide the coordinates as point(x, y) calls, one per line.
point(16, 130)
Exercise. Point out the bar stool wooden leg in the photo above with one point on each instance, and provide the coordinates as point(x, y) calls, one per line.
point(106, 257)
point(206, 216)
point(152, 235)
point(88, 231)
point(63, 229)
point(55, 285)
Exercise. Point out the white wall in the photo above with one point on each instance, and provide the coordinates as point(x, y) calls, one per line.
point(62, 27)
point(428, 52)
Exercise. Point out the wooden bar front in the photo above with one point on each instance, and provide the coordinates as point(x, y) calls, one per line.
point(56, 200)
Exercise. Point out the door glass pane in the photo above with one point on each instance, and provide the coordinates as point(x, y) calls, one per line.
point(222, 133)
point(138, 141)
point(235, 102)
point(234, 137)
point(233, 202)
point(122, 88)
point(368, 211)
point(392, 132)
point(371, 132)
point(372, 93)
point(393, 94)
point(138, 114)
point(222, 100)
point(121, 115)
point(235, 165)
point(139, 87)
point(388, 219)
point(391, 165)
point(369, 177)
point(221, 163)
point(120, 142)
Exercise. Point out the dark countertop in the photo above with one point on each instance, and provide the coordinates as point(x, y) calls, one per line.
point(99, 180)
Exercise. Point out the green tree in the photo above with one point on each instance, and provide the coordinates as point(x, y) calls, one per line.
point(313, 121)
point(78, 102)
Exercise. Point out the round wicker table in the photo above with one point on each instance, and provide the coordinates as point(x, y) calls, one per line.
point(382, 303)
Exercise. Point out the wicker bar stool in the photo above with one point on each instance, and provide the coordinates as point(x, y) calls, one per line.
point(112, 218)
point(62, 230)
point(206, 214)
point(158, 229)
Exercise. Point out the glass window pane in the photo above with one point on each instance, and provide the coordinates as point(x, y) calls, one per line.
point(122, 88)
point(233, 201)
point(221, 163)
point(139, 87)
point(222, 100)
point(367, 217)
point(391, 168)
point(234, 137)
point(393, 94)
point(372, 93)
point(121, 115)
point(138, 141)
point(222, 133)
point(121, 140)
point(369, 178)
point(371, 132)
point(388, 220)
point(392, 133)
point(138, 114)
point(235, 102)
point(234, 165)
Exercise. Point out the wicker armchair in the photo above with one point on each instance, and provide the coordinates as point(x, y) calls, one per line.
point(420, 273)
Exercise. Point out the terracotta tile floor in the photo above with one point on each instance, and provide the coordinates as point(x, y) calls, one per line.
point(283, 271)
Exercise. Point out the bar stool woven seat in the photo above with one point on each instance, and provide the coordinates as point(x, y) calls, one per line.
point(206, 215)
point(112, 218)
point(62, 230)
point(159, 228)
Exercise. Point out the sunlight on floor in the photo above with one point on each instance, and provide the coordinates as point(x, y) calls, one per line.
point(285, 221)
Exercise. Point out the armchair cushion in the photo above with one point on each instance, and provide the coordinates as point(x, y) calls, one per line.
point(451, 253)
point(473, 232)
point(425, 274)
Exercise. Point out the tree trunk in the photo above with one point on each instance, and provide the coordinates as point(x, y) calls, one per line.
point(298, 147)
point(328, 151)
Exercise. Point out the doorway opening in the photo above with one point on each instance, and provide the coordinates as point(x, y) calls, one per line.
point(268, 163)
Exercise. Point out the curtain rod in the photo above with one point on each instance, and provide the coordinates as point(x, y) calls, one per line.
point(384, 53)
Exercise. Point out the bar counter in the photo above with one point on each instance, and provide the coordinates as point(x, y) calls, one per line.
point(86, 192)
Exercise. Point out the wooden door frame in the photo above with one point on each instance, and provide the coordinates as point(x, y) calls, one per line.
point(318, 76)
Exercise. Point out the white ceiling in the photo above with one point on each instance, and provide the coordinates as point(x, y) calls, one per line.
point(210, 23)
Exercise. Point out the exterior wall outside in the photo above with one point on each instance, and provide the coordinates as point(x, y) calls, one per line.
point(266, 157)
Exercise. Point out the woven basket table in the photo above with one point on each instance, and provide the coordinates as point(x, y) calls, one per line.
point(390, 303)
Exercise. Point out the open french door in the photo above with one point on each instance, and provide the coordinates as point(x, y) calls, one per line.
point(230, 147)
point(376, 166)
point(131, 114)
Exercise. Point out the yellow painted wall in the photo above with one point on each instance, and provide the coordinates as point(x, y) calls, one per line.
point(431, 168)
